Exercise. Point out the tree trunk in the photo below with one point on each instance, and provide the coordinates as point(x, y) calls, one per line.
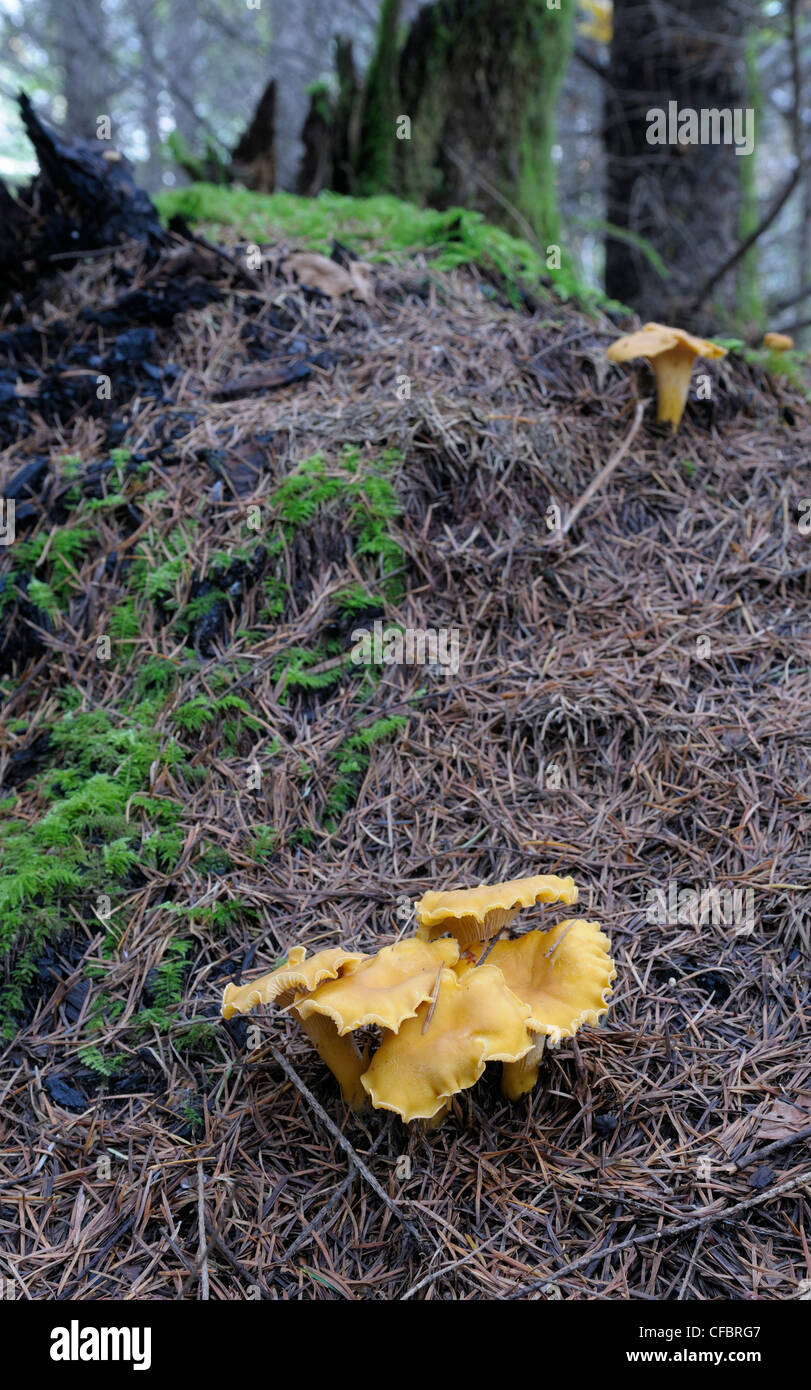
point(683, 198)
point(376, 156)
point(81, 27)
point(480, 80)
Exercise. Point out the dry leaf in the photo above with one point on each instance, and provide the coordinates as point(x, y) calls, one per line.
point(318, 272)
point(786, 1118)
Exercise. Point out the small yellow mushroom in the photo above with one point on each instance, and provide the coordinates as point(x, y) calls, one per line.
point(289, 985)
point(477, 914)
point(565, 976)
point(671, 353)
point(778, 342)
point(444, 1049)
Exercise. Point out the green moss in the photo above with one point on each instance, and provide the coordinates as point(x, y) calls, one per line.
point(351, 762)
point(545, 53)
point(46, 565)
point(200, 711)
point(751, 308)
point(364, 497)
point(375, 171)
point(92, 832)
point(263, 843)
point(379, 228)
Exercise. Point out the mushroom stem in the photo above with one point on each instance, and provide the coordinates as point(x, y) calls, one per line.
point(518, 1078)
point(340, 1054)
point(673, 370)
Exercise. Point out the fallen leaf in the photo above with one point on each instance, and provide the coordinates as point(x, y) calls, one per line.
point(318, 272)
point(762, 1177)
point(785, 1118)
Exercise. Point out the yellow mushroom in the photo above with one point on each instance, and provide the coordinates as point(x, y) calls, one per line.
point(474, 915)
point(671, 353)
point(444, 1049)
point(564, 975)
point(778, 342)
point(382, 991)
point(289, 985)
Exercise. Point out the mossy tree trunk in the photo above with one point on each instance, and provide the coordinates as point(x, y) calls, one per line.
point(479, 80)
point(684, 199)
point(375, 161)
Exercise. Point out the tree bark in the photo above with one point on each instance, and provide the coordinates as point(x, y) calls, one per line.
point(480, 81)
point(683, 199)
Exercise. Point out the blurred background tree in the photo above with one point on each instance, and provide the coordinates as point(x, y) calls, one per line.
point(532, 111)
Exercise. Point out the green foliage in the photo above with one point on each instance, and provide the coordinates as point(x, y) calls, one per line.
point(156, 678)
point(164, 582)
point(367, 501)
point(263, 843)
point(751, 308)
point(293, 670)
point(53, 572)
point(167, 989)
point(222, 915)
point(42, 596)
point(379, 228)
point(101, 1065)
point(351, 761)
point(377, 146)
point(85, 844)
point(123, 624)
point(355, 599)
point(195, 714)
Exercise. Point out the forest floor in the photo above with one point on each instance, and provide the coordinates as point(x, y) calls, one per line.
point(195, 777)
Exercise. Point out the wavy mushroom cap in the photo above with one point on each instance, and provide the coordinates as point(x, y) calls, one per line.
point(299, 974)
point(383, 990)
point(656, 338)
point(477, 914)
point(446, 1046)
point(564, 975)
point(778, 342)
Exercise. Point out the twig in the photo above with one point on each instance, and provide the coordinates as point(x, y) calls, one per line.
point(304, 1235)
point(742, 248)
point(677, 1228)
point(434, 997)
point(605, 473)
point(340, 1139)
point(749, 1159)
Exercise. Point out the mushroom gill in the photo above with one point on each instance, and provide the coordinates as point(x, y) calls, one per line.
point(475, 915)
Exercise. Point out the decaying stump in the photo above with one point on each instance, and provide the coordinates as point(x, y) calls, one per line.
point(83, 198)
point(253, 161)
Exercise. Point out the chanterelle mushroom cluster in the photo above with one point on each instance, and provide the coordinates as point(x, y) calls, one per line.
point(448, 1000)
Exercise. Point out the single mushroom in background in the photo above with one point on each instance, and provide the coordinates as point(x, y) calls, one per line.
point(565, 976)
point(291, 984)
point(671, 353)
point(444, 1049)
point(778, 342)
point(474, 915)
